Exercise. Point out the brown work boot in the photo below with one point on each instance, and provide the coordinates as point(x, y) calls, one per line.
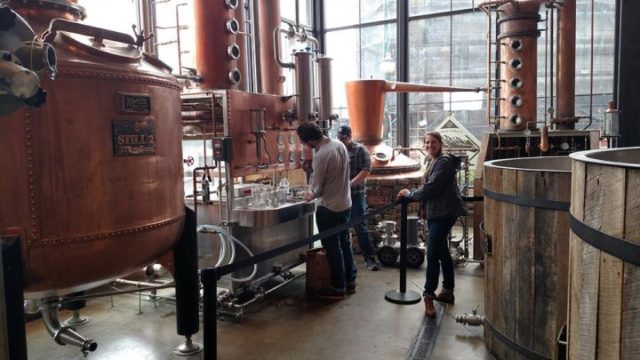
point(445, 296)
point(429, 308)
point(351, 288)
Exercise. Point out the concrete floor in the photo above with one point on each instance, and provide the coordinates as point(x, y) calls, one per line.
point(290, 325)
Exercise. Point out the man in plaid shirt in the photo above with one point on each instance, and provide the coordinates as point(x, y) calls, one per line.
point(360, 166)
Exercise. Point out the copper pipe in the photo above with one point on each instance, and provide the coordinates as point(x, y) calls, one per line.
point(591, 68)
point(489, 34)
point(270, 71)
point(241, 41)
point(566, 66)
point(544, 139)
point(365, 101)
point(487, 4)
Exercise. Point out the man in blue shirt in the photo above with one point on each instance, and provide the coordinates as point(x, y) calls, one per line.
point(360, 169)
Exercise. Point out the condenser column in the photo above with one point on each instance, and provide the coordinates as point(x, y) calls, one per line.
point(518, 22)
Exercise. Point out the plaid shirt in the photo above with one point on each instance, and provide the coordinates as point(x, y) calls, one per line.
point(359, 160)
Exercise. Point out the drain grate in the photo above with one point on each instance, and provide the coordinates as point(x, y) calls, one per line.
point(423, 345)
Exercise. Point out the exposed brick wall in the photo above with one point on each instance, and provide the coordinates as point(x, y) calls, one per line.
point(380, 192)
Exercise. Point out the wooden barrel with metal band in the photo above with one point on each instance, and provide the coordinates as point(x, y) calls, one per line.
point(526, 221)
point(604, 268)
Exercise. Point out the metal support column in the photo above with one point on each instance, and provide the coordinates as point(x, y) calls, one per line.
point(628, 68)
point(402, 67)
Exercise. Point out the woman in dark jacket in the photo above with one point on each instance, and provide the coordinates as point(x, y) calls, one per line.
point(441, 205)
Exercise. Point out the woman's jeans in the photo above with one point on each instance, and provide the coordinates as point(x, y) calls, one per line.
point(438, 255)
point(337, 247)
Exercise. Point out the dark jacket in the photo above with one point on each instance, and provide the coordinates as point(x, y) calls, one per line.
point(440, 197)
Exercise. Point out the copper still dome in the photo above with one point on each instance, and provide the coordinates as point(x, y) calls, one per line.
point(92, 180)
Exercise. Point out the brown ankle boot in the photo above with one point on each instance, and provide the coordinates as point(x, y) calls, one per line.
point(429, 308)
point(445, 296)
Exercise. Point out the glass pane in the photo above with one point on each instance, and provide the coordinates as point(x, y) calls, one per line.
point(469, 69)
point(116, 15)
point(166, 35)
point(288, 9)
point(340, 13)
point(306, 12)
point(378, 52)
point(379, 62)
point(603, 58)
point(421, 7)
point(373, 10)
point(429, 63)
point(343, 47)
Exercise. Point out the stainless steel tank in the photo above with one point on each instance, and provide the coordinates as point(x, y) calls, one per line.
point(92, 180)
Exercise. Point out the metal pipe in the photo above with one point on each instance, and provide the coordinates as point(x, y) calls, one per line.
point(325, 105)
point(489, 42)
point(546, 66)
point(241, 42)
point(63, 335)
point(146, 19)
point(256, 46)
point(117, 292)
point(304, 85)
point(270, 71)
point(566, 66)
point(550, 35)
point(277, 49)
point(178, 36)
point(470, 319)
point(139, 283)
point(488, 4)
point(235, 306)
point(591, 69)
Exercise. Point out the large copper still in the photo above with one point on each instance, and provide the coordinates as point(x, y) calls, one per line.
point(365, 99)
point(93, 179)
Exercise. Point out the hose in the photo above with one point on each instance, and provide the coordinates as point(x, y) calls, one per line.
point(225, 236)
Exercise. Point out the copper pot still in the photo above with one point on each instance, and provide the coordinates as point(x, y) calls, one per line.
point(95, 187)
point(365, 101)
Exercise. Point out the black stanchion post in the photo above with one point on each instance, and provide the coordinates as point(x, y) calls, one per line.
point(209, 279)
point(13, 298)
point(403, 296)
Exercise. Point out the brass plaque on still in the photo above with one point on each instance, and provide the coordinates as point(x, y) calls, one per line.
point(133, 137)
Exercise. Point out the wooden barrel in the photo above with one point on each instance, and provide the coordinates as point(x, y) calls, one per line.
point(527, 243)
point(604, 276)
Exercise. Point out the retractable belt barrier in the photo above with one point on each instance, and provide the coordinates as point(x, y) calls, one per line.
point(210, 276)
point(240, 264)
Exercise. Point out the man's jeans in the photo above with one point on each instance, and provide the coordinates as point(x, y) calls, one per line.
point(358, 208)
point(337, 247)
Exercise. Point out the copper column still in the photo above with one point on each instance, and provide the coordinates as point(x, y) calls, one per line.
point(365, 101)
point(566, 67)
point(92, 179)
point(271, 76)
point(219, 54)
point(518, 21)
